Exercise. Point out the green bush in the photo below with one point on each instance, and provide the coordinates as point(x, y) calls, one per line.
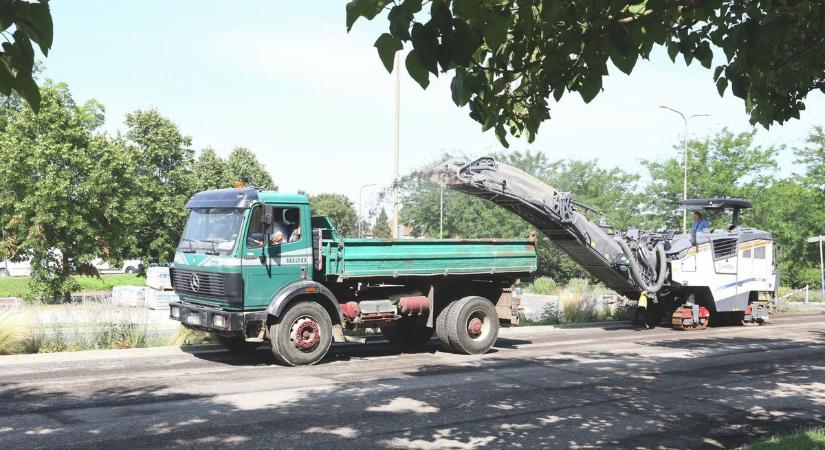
point(542, 286)
point(9, 332)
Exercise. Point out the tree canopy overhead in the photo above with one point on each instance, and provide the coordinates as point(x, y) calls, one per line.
point(510, 57)
point(22, 24)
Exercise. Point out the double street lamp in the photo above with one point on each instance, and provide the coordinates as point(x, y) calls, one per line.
point(686, 119)
point(361, 209)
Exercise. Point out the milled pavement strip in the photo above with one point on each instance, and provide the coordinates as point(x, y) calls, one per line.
point(465, 365)
point(499, 417)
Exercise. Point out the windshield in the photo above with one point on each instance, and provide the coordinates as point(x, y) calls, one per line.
point(212, 229)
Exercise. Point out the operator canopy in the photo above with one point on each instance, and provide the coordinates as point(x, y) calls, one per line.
point(715, 203)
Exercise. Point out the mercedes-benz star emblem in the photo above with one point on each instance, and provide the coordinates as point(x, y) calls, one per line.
point(195, 282)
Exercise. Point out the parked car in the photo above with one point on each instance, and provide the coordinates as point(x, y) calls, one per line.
point(10, 268)
point(129, 266)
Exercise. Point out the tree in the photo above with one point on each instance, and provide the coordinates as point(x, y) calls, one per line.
point(32, 24)
point(63, 191)
point(726, 164)
point(382, 229)
point(163, 181)
point(244, 165)
point(211, 172)
point(792, 211)
point(813, 157)
point(339, 209)
point(509, 57)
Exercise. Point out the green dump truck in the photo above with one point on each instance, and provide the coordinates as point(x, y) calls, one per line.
point(255, 266)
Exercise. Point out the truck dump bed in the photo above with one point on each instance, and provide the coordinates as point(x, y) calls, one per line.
point(355, 258)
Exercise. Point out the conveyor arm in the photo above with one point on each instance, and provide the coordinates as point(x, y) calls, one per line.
point(554, 213)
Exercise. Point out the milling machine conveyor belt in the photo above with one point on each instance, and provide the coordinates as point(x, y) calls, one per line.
point(550, 211)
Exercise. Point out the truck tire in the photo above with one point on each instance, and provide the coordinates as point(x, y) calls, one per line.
point(302, 335)
point(472, 325)
point(441, 327)
point(4, 273)
point(408, 332)
point(236, 344)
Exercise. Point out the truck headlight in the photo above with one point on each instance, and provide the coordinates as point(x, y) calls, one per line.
point(175, 312)
point(219, 321)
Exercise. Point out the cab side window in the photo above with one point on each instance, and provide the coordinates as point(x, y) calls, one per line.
point(285, 229)
point(255, 234)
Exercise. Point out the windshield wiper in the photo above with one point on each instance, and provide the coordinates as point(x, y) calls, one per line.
point(214, 249)
point(191, 249)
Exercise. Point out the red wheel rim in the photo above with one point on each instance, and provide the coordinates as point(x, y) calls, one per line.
point(305, 334)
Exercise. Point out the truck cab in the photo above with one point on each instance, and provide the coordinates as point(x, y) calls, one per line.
point(254, 266)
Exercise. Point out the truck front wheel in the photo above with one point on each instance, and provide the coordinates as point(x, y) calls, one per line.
point(408, 332)
point(302, 335)
point(472, 325)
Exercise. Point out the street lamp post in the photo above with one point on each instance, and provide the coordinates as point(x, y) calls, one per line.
point(361, 209)
point(441, 213)
point(397, 144)
point(820, 239)
point(686, 119)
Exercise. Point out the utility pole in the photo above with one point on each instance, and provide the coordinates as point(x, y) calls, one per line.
point(361, 209)
point(821, 262)
point(686, 119)
point(397, 143)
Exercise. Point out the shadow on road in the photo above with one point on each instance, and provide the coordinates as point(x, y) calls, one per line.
point(695, 396)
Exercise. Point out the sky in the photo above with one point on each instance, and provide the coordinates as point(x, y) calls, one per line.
point(315, 104)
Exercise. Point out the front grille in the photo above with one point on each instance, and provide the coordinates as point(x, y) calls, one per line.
point(209, 284)
point(723, 248)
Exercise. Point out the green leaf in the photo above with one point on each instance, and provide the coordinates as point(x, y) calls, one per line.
point(363, 8)
point(704, 54)
point(495, 30)
point(36, 20)
point(387, 47)
point(27, 88)
point(457, 89)
point(589, 88)
point(637, 9)
point(6, 79)
point(721, 85)
point(501, 135)
point(717, 72)
point(399, 23)
point(425, 43)
point(625, 63)
point(22, 53)
point(416, 70)
point(463, 43)
point(672, 51)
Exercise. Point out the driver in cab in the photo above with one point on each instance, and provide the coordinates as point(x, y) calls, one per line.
point(287, 227)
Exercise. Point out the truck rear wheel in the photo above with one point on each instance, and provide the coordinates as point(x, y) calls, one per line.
point(472, 325)
point(441, 327)
point(302, 335)
point(236, 344)
point(408, 332)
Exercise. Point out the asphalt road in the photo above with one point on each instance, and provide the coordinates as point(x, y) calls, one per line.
point(538, 388)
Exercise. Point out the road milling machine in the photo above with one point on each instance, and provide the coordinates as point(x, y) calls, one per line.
point(724, 276)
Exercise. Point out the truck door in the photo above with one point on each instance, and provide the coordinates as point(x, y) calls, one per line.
point(268, 268)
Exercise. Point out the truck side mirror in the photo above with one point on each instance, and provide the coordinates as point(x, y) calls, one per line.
point(693, 236)
point(268, 216)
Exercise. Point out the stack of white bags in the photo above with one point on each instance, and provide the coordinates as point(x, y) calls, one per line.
point(155, 295)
